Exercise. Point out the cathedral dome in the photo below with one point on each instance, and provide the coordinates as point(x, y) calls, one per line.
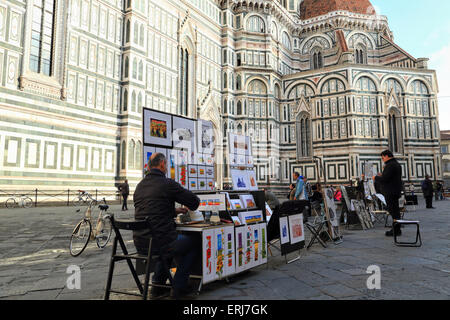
point(314, 8)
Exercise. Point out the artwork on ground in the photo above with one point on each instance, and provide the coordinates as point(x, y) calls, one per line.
point(157, 128)
point(329, 197)
point(284, 231)
point(296, 228)
point(346, 198)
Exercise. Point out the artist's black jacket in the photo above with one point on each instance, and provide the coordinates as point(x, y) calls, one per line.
point(155, 197)
point(391, 180)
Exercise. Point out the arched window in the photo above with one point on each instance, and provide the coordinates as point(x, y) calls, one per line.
point(184, 79)
point(286, 40)
point(256, 24)
point(395, 130)
point(141, 71)
point(316, 58)
point(238, 82)
point(131, 151)
point(135, 68)
point(225, 80)
point(124, 155)
point(133, 102)
point(139, 103)
point(225, 106)
point(239, 108)
point(360, 55)
point(304, 141)
point(127, 67)
point(274, 30)
point(141, 36)
point(128, 31)
point(136, 33)
point(239, 129)
point(138, 156)
point(125, 100)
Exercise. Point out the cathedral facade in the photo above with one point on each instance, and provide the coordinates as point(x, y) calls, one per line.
point(320, 86)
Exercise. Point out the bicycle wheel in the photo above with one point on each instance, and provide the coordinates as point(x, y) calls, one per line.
point(27, 202)
point(10, 203)
point(76, 201)
point(80, 237)
point(104, 231)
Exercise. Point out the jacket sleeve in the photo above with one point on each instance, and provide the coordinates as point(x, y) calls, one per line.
point(299, 189)
point(183, 196)
point(387, 175)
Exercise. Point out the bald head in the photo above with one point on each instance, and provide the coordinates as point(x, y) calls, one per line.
point(158, 161)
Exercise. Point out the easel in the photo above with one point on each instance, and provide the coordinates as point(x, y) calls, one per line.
point(331, 230)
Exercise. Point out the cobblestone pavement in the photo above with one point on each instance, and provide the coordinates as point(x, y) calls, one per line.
point(34, 258)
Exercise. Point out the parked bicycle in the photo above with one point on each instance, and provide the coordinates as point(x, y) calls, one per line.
point(19, 202)
point(84, 231)
point(83, 197)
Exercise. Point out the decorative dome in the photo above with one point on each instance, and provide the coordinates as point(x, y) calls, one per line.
point(314, 8)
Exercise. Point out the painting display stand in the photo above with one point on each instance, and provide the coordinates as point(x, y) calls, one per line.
point(292, 233)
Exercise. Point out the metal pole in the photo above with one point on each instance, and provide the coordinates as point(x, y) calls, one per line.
point(68, 197)
point(35, 198)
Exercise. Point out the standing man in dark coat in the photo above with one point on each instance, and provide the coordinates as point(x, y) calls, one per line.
point(124, 189)
point(155, 198)
point(427, 189)
point(391, 183)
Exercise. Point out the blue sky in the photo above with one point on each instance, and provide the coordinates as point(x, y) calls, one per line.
point(422, 28)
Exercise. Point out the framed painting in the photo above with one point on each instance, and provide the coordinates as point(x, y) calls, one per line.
point(252, 180)
point(205, 136)
point(240, 179)
point(184, 133)
point(157, 128)
point(284, 230)
point(296, 230)
point(193, 171)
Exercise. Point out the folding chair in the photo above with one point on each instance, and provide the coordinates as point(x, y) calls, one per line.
point(316, 228)
point(417, 243)
point(150, 259)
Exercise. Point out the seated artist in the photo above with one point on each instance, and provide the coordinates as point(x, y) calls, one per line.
point(155, 197)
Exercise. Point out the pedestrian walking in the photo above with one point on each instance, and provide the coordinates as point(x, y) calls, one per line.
point(391, 184)
point(427, 189)
point(124, 189)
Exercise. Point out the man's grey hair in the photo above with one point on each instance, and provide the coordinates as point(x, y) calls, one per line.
point(155, 161)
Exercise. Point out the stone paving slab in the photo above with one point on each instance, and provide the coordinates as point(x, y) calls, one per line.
point(34, 258)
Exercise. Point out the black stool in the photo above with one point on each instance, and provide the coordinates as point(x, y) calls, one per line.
point(417, 243)
point(148, 260)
